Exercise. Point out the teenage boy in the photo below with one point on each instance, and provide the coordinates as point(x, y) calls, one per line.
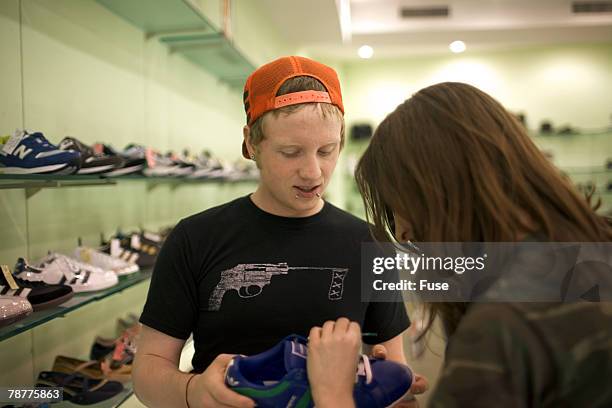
point(243, 275)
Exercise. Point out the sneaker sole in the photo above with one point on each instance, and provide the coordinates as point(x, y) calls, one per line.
point(92, 288)
point(97, 169)
point(124, 171)
point(14, 318)
point(399, 399)
point(53, 302)
point(33, 170)
point(127, 271)
point(66, 171)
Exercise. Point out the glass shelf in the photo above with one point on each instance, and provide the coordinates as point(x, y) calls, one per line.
point(114, 402)
point(586, 133)
point(38, 181)
point(184, 180)
point(127, 392)
point(185, 29)
point(586, 170)
point(214, 53)
point(78, 300)
point(159, 16)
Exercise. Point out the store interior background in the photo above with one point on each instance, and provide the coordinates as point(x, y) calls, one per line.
point(75, 68)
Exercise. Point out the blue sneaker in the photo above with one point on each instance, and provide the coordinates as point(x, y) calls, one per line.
point(380, 383)
point(25, 153)
point(278, 378)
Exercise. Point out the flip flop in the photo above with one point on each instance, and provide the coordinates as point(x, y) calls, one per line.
point(79, 389)
point(97, 370)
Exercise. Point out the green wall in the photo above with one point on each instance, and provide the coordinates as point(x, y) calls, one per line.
point(568, 85)
point(72, 67)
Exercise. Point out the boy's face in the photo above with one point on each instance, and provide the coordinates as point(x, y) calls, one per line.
point(296, 160)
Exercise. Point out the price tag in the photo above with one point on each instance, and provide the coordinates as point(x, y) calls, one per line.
point(152, 237)
point(85, 255)
point(135, 241)
point(115, 247)
point(150, 156)
point(98, 148)
point(12, 143)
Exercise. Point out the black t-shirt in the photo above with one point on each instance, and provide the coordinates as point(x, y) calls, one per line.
point(242, 279)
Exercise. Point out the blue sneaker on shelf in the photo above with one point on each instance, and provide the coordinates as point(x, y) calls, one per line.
point(278, 378)
point(32, 153)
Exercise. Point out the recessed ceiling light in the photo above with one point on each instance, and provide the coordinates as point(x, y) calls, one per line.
point(365, 51)
point(457, 46)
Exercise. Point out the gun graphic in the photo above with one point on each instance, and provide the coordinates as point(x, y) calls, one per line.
point(249, 280)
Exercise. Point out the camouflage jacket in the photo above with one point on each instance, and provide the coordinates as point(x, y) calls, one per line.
point(529, 355)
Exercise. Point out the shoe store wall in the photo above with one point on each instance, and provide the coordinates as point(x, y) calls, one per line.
point(73, 68)
point(567, 85)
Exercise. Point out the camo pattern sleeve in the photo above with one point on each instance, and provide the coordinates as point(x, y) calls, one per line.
point(529, 355)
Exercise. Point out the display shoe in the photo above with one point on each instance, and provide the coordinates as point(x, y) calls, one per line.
point(80, 389)
point(134, 248)
point(130, 323)
point(133, 164)
point(59, 269)
point(159, 165)
point(117, 351)
point(101, 348)
point(41, 295)
point(12, 309)
point(105, 261)
point(91, 163)
point(32, 153)
point(93, 369)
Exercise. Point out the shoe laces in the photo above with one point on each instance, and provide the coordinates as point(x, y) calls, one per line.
point(78, 266)
point(40, 139)
point(364, 368)
point(23, 266)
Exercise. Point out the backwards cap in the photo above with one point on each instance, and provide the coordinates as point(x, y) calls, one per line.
point(263, 84)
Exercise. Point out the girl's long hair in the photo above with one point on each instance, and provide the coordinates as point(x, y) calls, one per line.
point(458, 167)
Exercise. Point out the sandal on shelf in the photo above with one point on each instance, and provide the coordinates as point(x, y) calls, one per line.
point(93, 369)
point(116, 372)
point(80, 389)
point(69, 365)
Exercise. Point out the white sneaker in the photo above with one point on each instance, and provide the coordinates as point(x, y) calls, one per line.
point(59, 269)
point(105, 261)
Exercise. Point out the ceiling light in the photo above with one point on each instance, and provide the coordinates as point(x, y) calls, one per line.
point(365, 51)
point(457, 46)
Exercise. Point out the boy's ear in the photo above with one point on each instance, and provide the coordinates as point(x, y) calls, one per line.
point(247, 149)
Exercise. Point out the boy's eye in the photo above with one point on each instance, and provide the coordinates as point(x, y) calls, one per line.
point(289, 153)
point(326, 152)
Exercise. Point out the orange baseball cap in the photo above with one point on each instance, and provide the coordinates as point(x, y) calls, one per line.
point(263, 84)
